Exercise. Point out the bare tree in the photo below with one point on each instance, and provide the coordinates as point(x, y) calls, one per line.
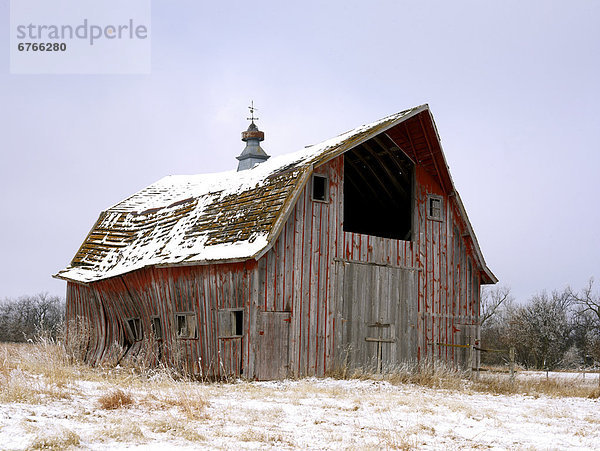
point(496, 310)
point(28, 316)
point(491, 301)
point(540, 331)
point(587, 303)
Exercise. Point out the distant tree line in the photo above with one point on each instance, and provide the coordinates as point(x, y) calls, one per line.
point(549, 331)
point(28, 317)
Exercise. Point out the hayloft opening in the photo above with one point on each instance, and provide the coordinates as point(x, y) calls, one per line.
point(378, 190)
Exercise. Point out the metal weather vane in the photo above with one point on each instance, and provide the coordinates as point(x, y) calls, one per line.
point(252, 110)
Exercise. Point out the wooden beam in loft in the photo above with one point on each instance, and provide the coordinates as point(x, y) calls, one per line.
point(416, 159)
point(437, 170)
point(377, 177)
point(404, 170)
point(391, 143)
point(389, 173)
point(363, 178)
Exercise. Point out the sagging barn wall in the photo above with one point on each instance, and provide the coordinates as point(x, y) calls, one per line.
point(184, 316)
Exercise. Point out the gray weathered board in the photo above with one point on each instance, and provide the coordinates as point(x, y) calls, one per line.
point(273, 345)
point(379, 315)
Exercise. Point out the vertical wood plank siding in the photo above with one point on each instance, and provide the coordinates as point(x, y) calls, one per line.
point(98, 313)
point(313, 239)
point(295, 290)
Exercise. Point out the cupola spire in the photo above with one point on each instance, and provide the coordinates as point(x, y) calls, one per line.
point(252, 154)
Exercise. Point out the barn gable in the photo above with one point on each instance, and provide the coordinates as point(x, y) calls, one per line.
point(235, 216)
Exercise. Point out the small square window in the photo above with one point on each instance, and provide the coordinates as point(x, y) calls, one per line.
point(156, 327)
point(231, 323)
point(320, 188)
point(186, 325)
point(435, 208)
point(135, 327)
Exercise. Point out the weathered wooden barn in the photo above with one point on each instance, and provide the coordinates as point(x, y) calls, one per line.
point(355, 252)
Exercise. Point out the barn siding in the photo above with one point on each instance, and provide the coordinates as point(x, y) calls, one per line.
point(313, 239)
point(104, 307)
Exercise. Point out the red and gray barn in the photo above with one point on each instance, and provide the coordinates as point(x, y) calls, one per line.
point(355, 252)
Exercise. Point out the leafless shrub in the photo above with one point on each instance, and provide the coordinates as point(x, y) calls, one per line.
point(115, 399)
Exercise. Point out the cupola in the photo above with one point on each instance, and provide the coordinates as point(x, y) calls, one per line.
point(252, 154)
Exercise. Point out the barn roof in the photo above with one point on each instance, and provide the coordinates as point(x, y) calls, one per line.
point(223, 217)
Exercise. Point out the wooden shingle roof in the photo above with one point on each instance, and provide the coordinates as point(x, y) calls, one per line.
point(211, 218)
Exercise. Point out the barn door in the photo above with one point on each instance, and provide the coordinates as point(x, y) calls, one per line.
point(273, 345)
point(231, 336)
point(378, 315)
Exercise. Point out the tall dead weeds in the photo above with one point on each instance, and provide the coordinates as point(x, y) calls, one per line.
point(438, 375)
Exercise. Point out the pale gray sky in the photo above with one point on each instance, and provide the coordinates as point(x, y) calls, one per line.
point(513, 86)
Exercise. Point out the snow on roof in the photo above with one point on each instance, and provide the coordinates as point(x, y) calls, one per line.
point(228, 216)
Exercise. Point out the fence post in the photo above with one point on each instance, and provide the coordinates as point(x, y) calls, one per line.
point(471, 362)
point(511, 353)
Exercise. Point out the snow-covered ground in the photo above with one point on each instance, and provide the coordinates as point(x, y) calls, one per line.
point(308, 413)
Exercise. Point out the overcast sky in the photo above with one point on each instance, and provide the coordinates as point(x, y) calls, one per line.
point(514, 87)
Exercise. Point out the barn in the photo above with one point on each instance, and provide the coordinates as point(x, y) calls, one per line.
point(354, 252)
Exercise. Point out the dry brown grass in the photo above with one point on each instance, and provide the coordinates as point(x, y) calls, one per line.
point(502, 385)
point(595, 393)
point(190, 400)
point(19, 361)
point(124, 431)
point(57, 370)
point(193, 405)
point(115, 399)
point(264, 437)
point(64, 440)
point(45, 358)
point(177, 428)
point(429, 373)
point(438, 375)
point(163, 392)
point(394, 438)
